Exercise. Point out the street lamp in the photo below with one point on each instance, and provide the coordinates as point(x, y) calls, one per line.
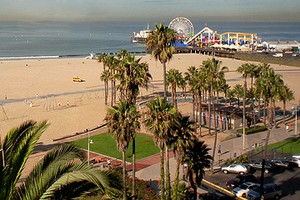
point(296, 118)
point(89, 142)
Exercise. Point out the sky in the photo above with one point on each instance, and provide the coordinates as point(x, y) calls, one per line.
point(150, 10)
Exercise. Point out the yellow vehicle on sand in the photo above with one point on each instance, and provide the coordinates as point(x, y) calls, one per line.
point(77, 79)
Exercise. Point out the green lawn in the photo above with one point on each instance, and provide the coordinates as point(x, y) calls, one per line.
point(291, 145)
point(106, 145)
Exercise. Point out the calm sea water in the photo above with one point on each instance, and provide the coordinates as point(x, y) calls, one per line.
point(78, 39)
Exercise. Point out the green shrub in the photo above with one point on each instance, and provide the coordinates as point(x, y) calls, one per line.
point(240, 159)
point(251, 130)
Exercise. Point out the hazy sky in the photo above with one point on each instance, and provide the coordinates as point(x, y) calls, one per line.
point(149, 10)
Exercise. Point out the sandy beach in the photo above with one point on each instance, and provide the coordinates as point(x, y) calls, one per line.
point(44, 90)
point(74, 106)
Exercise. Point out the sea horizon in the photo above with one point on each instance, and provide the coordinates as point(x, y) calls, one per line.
point(23, 40)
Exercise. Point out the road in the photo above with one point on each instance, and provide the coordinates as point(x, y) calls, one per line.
point(288, 180)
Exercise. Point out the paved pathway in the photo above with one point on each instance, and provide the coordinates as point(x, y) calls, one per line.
point(228, 149)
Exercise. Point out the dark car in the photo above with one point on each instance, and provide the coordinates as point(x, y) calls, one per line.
point(240, 179)
point(282, 164)
point(258, 166)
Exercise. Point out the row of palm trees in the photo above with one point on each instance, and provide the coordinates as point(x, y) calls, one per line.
point(161, 118)
point(207, 81)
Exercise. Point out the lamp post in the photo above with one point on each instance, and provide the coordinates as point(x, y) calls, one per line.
point(296, 118)
point(89, 142)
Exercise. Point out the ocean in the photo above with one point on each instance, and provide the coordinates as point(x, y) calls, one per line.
point(20, 40)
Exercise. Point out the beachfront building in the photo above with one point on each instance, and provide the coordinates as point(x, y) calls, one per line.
point(280, 46)
point(236, 41)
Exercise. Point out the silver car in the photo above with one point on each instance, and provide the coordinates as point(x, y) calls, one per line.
point(235, 168)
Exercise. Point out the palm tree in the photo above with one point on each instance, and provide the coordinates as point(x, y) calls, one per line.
point(230, 95)
point(239, 92)
point(159, 42)
point(158, 120)
point(197, 159)
point(112, 63)
point(101, 58)
point(60, 171)
point(122, 122)
point(269, 84)
point(190, 77)
point(285, 95)
point(174, 78)
point(246, 70)
point(132, 75)
point(215, 74)
point(105, 77)
point(184, 133)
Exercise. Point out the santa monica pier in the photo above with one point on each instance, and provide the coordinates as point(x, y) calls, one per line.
point(227, 44)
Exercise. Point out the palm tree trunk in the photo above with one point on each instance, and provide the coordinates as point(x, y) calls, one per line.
point(124, 174)
point(200, 110)
point(216, 137)
point(284, 111)
point(162, 174)
point(194, 107)
point(209, 111)
point(270, 127)
point(112, 93)
point(106, 92)
point(176, 181)
point(265, 105)
point(133, 169)
point(174, 98)
point(168, 179)
point(165, 85)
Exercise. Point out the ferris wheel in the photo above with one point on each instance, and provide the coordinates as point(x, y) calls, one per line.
point(183, 27)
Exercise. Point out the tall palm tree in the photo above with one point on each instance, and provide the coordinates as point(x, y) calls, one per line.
point(239, 92)
point(158, 120)
point(132, 76)
point(190, 77)
point(269, 83)
point(197, 159)
point(174, 78)
point(184, 133)
point(60, 171)
point(122, 122)
point(285, 95)
point(101, 58)
point(246, 70)
point(105, 78)
point(215, 74)
point(230, 95)
point(159, 43)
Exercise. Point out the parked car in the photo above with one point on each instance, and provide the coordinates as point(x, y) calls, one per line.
point(296, 156)
point(294, 161)
point(243, 189)
point(258, 166)
point(283, 164)
point(240, 179)
point(271, 191)
point(235, 168)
